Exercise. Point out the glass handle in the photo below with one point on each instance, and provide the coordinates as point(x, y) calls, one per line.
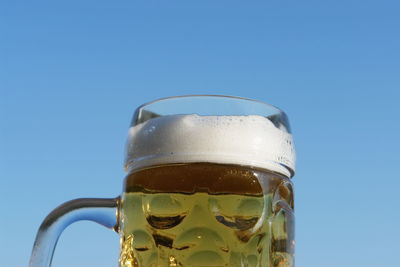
point(100, 210)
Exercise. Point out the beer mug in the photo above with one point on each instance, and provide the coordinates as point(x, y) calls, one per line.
point(208, 184)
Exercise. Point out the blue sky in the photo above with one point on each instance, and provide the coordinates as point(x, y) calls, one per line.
point(72, 73)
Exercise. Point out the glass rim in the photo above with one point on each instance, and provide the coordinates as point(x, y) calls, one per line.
point(278, 110)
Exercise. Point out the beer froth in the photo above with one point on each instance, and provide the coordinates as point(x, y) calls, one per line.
point(245, 140)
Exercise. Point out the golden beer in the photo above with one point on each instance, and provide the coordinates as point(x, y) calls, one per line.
point(206, 214)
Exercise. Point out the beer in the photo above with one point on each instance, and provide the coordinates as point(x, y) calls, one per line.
point(203, 191)
point(205, 214)
point(208, 184)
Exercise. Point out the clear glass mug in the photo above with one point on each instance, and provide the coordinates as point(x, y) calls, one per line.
point(208, 184)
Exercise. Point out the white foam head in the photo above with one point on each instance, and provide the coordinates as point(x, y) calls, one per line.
point(244, 140)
